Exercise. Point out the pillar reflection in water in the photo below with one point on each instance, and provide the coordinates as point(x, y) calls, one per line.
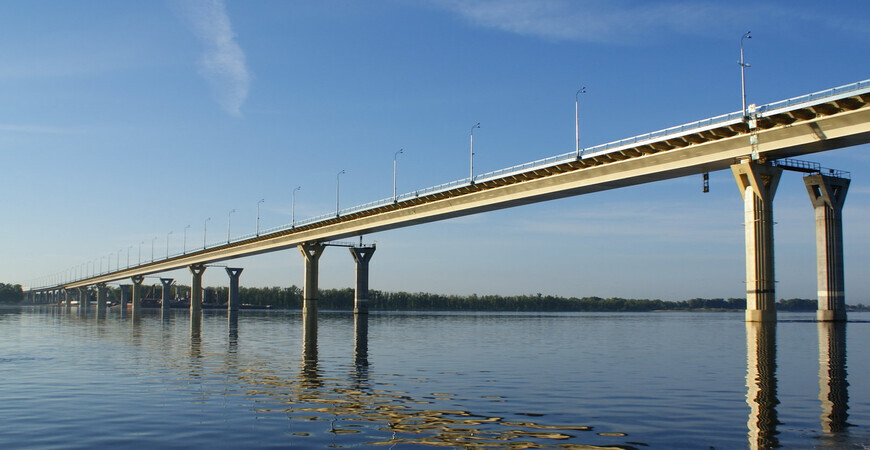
point(833, 387)
point(761, 384)
point(361, 348)
point(310, 376)
point(233, 328)
point(195, 326)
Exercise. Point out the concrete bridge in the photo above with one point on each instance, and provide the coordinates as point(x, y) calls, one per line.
point(756, 146)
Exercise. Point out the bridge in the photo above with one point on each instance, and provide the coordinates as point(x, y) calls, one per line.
point(756, 145)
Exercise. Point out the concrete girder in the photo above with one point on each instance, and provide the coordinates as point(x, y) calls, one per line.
point(850, 103)
point(844, 129)
point(803, 114)
point(826, 109)
point(696, 138)
point(783, 119)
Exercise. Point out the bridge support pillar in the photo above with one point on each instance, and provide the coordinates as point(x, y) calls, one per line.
point(233, 292)
point(311, 253)
point(125, 297)
point(164, 301)
point(101, 299)
point(136, 308)
point(757, 183)
point(362, 256)
point(67, 299)
point(827, 194)
point(84, 302)
point(196, 271)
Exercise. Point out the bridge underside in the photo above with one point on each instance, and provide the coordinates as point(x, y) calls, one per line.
point(799, 131)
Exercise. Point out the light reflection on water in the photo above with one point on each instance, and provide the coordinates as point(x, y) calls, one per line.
point(276, 379)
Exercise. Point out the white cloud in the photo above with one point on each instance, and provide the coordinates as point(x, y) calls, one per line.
point(37, 129)
point(223, 62)
point(625, 21)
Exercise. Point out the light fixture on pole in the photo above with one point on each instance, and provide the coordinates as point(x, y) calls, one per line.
point(140, 252)
point(293, 206)
point(395, 156)
point(337, 185)
point(228, 223)
point(205, 232)
point(129, 250)
point(258, 215)
point(471, 168)
point(118, 260)
point(167, 244)
point(577, 117)
point(184, 241)
point(153, 240)
point(743, 66)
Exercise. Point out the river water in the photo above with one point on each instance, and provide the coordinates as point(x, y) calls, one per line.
point(273, 379)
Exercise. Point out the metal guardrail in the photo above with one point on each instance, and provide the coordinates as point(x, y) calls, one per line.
point(692, 127)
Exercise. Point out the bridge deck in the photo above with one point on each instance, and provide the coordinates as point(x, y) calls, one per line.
point(817, 122)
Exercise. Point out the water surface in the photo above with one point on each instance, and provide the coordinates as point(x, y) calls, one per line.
point(403, 380)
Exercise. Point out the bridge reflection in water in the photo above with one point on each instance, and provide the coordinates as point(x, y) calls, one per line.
point(761, 382)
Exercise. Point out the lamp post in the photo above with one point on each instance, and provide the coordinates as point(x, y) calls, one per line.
point(229, 214)
point(293, 206)
point(743, 67)
point(395, 156)
point(140, 252)
point(129, 250)
point(167, 244)
point(471, 169)
point(337, 185)
point(258, 215)
point(205, 232)
point(153, 240)
point(184, 242)
point(577, 117)
point(118, 261)
point(101, 264)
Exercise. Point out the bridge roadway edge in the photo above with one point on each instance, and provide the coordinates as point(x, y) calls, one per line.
point(823, 133)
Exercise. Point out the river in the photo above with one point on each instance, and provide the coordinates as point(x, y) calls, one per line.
point(273, 379)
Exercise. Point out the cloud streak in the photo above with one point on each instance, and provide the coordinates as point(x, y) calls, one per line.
point(624, 21)
point(222, 63)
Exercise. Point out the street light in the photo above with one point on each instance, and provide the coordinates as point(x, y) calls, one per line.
point(140, 252)
point(395, 156)
point(471, 170)
point(129, 250)
point(336, 191)
point(205, 232)
point(293, 207)
point(258, 215)
point(184, 242)
point(118, 261)
point(154, 239)
point(743, 67)
point(577, 117)
point(229, 214)
point(167, 244)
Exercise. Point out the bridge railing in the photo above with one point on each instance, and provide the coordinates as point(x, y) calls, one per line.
point(692, 127)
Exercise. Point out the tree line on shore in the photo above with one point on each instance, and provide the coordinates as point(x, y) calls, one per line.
point(342, 299)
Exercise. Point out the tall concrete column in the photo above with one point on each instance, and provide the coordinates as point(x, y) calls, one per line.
point(84, 302)
point(757, 183)
point(196, 271)
point(233, 292)
point(125, 297)
point(136, 309)
point(164, 302)
point(827, 194)
point(67, 299)
point(362, 256)
point(833, 386)
point(761, 384)
point(311, 253)
point(101, 299)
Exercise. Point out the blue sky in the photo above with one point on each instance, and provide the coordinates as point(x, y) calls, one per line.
point(124, 121)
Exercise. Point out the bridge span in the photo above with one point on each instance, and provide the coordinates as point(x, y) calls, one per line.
point(753, 146)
